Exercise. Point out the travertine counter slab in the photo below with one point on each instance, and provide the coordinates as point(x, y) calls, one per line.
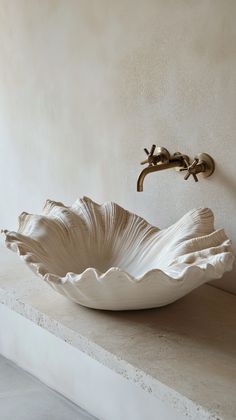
point(185, 352)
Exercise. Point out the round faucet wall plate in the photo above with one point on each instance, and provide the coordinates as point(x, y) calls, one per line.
point(105, 257)
point(209, 163)
point(163, 152)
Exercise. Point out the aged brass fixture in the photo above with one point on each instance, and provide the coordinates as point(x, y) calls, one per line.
point(162, 155)
point(203, 163)
point(163, 160)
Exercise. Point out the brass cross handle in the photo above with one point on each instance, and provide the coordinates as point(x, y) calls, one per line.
point(162, 155)
point(192, 170)
point(203, 163)
point(151, 160)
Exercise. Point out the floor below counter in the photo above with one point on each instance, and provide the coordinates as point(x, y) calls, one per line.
point(23, 397)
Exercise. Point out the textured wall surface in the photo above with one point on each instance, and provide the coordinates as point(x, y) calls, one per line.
point(84, 86)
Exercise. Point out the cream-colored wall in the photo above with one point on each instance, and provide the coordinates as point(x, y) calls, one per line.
point(85, 85)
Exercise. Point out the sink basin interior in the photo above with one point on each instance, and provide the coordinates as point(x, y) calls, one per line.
point(88, 235)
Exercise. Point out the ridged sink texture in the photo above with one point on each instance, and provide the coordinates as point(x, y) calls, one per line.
point(105, 257)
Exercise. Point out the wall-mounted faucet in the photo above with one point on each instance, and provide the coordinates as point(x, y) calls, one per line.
point(203, 163)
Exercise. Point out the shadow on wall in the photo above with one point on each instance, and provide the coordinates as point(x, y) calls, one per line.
point(228, 278)
point(228, 182)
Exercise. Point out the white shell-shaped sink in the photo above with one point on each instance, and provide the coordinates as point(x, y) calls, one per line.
point(105, 257)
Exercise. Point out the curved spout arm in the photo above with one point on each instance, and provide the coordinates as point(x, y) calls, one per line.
point(159, 167)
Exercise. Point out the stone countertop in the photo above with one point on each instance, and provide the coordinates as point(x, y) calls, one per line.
point(184, 353)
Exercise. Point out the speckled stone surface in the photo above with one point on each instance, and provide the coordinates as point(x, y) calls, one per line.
point(185, 352)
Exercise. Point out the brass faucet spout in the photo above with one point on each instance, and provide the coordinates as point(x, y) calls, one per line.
point(155, 168)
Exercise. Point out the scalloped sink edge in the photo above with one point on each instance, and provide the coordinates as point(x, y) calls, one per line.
point(105, 257)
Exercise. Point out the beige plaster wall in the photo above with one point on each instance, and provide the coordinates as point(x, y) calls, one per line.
point(85, 85)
